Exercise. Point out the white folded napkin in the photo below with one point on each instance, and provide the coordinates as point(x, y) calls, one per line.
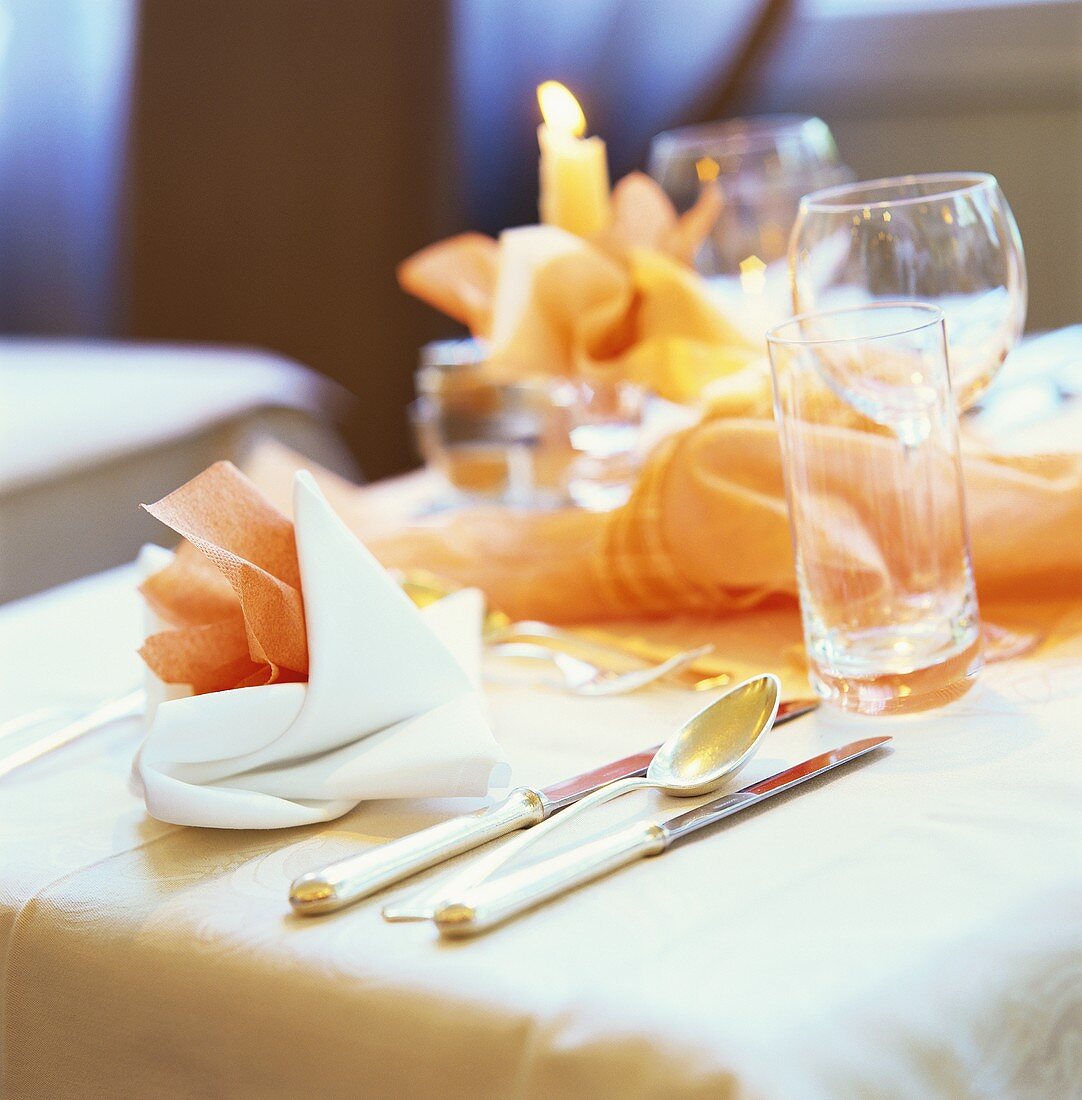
point(391, 708)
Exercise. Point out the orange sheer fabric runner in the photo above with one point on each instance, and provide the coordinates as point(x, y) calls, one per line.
point(706, 531)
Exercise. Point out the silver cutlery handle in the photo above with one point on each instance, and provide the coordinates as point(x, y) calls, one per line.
point(496, 901)
point(424, 906)
point(348, 880)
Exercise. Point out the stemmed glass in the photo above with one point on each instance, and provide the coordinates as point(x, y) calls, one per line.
point(762, 166)
point(946, 239)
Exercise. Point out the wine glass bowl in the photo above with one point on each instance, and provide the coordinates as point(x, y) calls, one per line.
point(949, 239)
point(761, 166)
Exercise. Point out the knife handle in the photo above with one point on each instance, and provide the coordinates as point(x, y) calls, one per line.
point(348, 880)
point(493, 902)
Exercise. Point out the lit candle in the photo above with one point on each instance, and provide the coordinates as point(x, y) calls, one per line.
point(574, 170)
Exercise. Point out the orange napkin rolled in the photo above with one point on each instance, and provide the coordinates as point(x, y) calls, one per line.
point(624, 305)
point(706, 531)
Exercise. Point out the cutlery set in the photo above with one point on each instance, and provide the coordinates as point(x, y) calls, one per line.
point(696, 760)
point(356, 877)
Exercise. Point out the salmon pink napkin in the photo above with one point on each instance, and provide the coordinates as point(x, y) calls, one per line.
point(308, 682)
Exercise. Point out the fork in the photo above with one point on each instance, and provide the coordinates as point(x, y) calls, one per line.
point(579, 677)
point(499, 628)
point(425, 588)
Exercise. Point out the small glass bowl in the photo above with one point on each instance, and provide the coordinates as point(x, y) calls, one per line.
point(492, 438)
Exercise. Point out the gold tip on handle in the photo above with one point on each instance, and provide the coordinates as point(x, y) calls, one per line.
point(456, 919)
point(312, 896)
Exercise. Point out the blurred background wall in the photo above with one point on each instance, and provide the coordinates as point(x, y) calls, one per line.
point(250, 171)
point(285, 156)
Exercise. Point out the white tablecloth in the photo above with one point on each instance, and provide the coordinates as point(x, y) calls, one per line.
point(910, 929)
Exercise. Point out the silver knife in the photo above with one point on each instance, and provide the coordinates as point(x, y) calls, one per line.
point(349, 880)
point(493, 902)
point(127, 706)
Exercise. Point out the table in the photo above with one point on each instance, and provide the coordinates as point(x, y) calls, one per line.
point(912, 928)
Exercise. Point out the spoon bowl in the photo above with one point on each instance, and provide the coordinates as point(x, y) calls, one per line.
point(717, 741)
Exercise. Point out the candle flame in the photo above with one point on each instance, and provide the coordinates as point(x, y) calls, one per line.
point(707, 169)
point(560, 109)
point(753, 275)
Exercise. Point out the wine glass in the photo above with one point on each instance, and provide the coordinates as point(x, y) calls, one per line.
point(761, 166)
point(949, 239)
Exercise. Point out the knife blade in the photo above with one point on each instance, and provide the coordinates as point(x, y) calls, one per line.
point(126, 706)
point(496, 901)
point(349, 880)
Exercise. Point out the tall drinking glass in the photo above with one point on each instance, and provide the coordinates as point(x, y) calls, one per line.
point(948, 239)
point(872, 467)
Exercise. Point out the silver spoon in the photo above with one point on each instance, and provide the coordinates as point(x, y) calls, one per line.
point(695, 760)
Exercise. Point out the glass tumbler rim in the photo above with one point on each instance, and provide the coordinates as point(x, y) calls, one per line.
point(932, 315)
point(833, 199)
